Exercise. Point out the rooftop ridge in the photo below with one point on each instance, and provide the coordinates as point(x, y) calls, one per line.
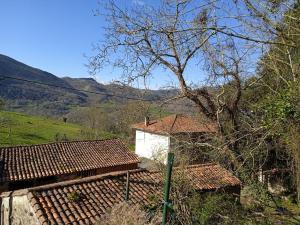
point(83, 180)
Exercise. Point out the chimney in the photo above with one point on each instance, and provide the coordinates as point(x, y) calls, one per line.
point(146, 121)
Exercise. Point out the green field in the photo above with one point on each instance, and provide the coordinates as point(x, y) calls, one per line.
point(20, 129)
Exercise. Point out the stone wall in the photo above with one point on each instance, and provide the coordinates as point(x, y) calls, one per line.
point(16, 209)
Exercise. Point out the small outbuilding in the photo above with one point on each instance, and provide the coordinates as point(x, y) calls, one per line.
point(155, 138)
point(34, 165)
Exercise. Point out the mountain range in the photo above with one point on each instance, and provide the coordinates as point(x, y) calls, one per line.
point(34, 91)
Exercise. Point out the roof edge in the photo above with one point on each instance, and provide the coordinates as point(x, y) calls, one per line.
point(132, 126)
point(60, 142)
point(82, 180)
point(153, 132)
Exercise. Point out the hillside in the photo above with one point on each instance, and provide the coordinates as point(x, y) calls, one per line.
point(116, 92)
point(39, 99)
point(21, 95)
point(20, 129)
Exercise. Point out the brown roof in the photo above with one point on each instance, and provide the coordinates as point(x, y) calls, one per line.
point(175, 124)
point(38, 161)
point(86, 200)
point(210, 176)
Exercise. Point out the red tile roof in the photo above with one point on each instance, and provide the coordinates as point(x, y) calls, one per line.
point(210, 176)
point(86, 200)
point(175, 124)
point(38, 161)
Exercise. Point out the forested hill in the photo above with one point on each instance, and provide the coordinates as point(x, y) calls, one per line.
point(35, 98)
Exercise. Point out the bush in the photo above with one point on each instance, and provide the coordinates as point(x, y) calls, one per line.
point(125, 214)
point(217, 208)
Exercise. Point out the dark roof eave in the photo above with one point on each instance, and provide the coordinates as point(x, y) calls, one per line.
point(153, 132)
point(172, 133)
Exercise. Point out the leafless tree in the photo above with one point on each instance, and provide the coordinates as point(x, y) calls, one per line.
point(223, 38)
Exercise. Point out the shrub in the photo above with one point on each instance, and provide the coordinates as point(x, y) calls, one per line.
point(125, 214)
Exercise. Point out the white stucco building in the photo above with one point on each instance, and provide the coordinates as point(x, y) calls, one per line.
point(154, 138)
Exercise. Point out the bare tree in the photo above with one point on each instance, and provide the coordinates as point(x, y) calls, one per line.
point(223, 38)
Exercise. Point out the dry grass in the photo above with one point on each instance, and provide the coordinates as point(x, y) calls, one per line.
point(125, 214)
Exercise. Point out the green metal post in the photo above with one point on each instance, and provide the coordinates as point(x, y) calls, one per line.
point(167, 204)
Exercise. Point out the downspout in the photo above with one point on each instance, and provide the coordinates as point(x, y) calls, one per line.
point(10, 203)
point(10, 208)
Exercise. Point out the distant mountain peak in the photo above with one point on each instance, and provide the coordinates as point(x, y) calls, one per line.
point(27, 96)
point(87, 78)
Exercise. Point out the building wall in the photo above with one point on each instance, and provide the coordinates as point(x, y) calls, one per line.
point(151, 146)
point(16, 209)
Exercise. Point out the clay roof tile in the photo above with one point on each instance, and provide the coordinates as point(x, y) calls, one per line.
point(97, 194)
point(38, 161)
point(175, 124)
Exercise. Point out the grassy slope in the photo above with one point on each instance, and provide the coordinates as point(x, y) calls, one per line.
point(20, 129)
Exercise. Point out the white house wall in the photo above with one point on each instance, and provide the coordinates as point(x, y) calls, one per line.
point(151, 146)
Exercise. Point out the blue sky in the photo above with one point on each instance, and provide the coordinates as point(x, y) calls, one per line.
point(50, 35)
point(54, 35)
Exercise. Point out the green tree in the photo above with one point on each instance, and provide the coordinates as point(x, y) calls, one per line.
point(274, 98)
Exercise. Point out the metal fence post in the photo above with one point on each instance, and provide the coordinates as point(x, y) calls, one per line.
point(167, 187)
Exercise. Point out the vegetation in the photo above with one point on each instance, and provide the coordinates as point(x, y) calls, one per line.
point(127, 214)
point(100, 121)
point(74, 196)
point(20, 129)
point(115, 118)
